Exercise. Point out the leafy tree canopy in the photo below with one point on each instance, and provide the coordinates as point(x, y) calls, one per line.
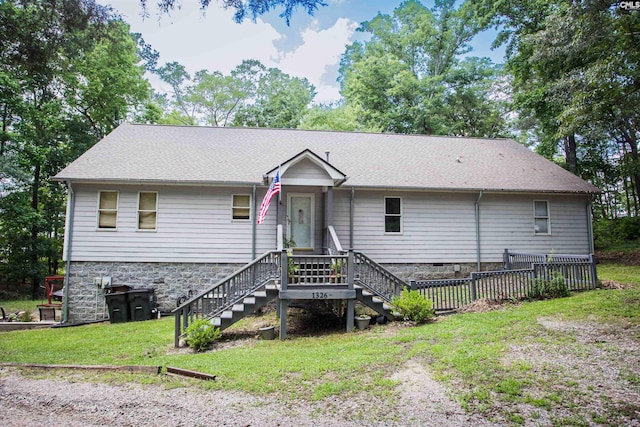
point(70, 72)
point(410, 76)
point(251, 95)
point(246, 8)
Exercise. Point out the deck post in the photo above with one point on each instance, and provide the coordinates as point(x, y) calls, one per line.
point(282, 303)
point(594, 274)
point(507, 261)
point(351, 309)
point(351, 303)
point(473, 286)
point(176, 342)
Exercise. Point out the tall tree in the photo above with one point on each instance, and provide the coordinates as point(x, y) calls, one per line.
point(61, 95)
point(250, 95)
point(409, 77)
point(218, 97)
point(280, 101)
point(576, 72)
point(182, 110)
point(340, 117)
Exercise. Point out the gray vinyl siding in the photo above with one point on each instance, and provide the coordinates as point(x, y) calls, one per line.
point(506, 221)
point(440, 227)
point(193, 225)
point(305, 170)
point(436, 227)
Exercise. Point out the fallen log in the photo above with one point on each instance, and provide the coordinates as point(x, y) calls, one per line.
point(124, 368)
point(139, 368)
point(188, 373)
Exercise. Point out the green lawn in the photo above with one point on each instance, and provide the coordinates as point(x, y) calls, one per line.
point(464, 351)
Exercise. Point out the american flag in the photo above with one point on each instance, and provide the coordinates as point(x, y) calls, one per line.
point(274, 189)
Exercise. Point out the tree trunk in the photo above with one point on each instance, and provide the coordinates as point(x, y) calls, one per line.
point(35, 271)
point(570, 153)
point(635, 172)
point(3, 138)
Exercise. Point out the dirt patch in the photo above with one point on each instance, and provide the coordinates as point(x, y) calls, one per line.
point(426, 401)
point(585, 365)
point(612, 284)
point(620, 257)
point(484, 305)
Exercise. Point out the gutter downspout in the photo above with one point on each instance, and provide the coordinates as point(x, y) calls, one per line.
point(590, 225)
point(351, 212)
point(71, 201)
point(478, 229)
point(253, 224)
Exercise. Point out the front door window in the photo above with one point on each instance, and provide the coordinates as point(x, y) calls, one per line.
point(301, 220)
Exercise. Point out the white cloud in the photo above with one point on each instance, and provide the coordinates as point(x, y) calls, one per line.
point(215, 42)
point(319, 53)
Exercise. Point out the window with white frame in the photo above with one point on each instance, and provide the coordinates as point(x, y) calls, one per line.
point(541, 218)
point(241, 206)
point(107, 210)
point(392, 215)
point(147, 210)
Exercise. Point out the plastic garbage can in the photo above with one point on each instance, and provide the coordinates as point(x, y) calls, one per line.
point(118, 306)
point(142, 304)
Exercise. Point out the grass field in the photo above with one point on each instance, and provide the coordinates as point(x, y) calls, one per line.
point(465, 351)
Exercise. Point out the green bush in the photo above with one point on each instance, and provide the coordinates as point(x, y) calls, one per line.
point(413, 306)
point(554, 288)
point(25, 316)
point(201, 334)
point(610, 233)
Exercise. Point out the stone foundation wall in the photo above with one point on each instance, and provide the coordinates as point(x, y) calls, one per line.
point(438, 271)
point(170, 281)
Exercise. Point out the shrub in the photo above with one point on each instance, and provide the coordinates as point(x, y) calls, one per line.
point(611, 233)
point(201, 334)
point(555, 288)
point(413, 306)
point(25, 316)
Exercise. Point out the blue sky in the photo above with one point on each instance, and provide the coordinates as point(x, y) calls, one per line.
point(310, 47)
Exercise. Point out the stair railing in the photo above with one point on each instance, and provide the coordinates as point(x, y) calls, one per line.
point(334, 247)
point(223, 295)
point(376, 279)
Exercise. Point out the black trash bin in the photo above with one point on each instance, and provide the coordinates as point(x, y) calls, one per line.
point(142, 304)
point(118, 306)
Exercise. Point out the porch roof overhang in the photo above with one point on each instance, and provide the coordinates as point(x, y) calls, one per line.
point(335, 177)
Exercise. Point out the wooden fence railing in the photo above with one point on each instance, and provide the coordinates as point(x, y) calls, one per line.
point(375, 278)
point(578, 273)
point(515, 260)
point(233, 289)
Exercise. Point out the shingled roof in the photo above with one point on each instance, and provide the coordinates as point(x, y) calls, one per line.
point(210, 155)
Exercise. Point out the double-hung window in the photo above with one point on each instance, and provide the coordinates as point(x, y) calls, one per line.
point(147, 210)
point(392, 215)
point(541, 217)
point(107, 210)
point(241, 206)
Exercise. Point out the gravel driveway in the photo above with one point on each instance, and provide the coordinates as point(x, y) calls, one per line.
point(35, 402)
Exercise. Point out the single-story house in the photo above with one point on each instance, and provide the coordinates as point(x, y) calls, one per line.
point(174, 208)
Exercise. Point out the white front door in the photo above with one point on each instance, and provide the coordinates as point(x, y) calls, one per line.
point(301, 219)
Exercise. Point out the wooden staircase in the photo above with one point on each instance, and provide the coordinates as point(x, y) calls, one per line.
point(351, 276)
point(248, 306)
point(375, 303)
